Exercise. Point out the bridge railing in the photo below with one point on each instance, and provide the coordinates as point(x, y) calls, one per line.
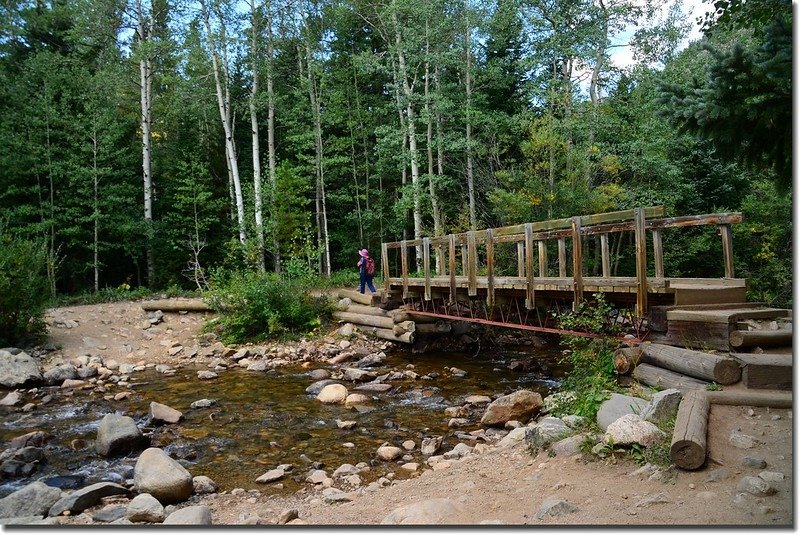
point(531, 240)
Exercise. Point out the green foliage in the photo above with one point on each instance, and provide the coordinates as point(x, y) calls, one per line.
point(260, 306)
point(24, 288)
point(713, 387)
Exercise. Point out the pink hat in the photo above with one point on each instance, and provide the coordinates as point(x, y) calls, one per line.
point(364, 253)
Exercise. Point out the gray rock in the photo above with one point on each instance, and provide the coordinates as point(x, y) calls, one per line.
point(371, 361)
point(373, 387)
point(553, 506)
point(545, 431)
point(514, 437)
point(257, 366)
point(435, 511)
point(654, 499)
point(271, 476)
point(717, 475)
point(573, 420)
point(203, 403)
point(145, 508)
point(663, 406)
point(431, 445)
point(160, 413)
point(334, 393)
point(118, 435)
point(29, 521)
point(631, 429)
point(316, 477)
point(287, 516)
point(458, 422)
point(771, 477)
point(755, 486)
point(754, 462)
point(206, 375)
point(32, 500)
point(11, 399)
point(316, 388)
point(18, 370)
point(346, 330)
point(34, 438)
point(110, 513)
point(742, 441)
point(617, 406)
point(86, 497)
point(568, 447)
point(520, 405)
point(358, 375)
point(389, 453)
point(198, 515)
point(345, 470)
point(459, 451)
point(59, 374)
point(157, 474)
point(333, 495)
point(204, 485)
point(319, 374)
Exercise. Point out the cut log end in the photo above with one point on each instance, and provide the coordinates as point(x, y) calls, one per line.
point(727, 372)
point(687, 454)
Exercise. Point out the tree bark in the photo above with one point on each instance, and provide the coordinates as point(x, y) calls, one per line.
point(688, 448)
point(473, 222)
point(271, 158)
point(257, 200)
point(659, 377)
point(724, 371)
point(144, 30)
point(437, 218)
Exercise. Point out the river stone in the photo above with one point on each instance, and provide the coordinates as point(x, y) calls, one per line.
point(145, 508)
point(32, 500)
point(567, 447)
point(86, 497)
point(110, 513)
point(431, 445)
point(316, 477)
point(458, 422)
point(59, 374)
point(205, 375)
point(631, 429)
point(334, 393)
point(573, 420)
point(742, 441)
point(163, 477)
point(118, 435)
point(316, 388)
point(654, 499)
point(389, 453)
point(127, 369)
point(617, 406)
point(435, 511)
point(345, 470)
point(755, 486)
point(514, 437)
point(409, 445)
point(164, 413)
point(478, 400)
point(357, 375)
point(203, 403)
point(271, 476)
point(459, 451)
point(34, 438)
point(346, 330)
point(520, 405)
point(754, 462)
point(11, 399)
point(17, 370)
point(287, 516)
point(663, 406)
point(73, 383)
point(334, 495)
point(194, 515)
point(373, 387)
point(771, 477)
point(204, 485)
point(319, 374)
point(554, 506)
point(371, 361)
point(357, 399)
point(545, 431)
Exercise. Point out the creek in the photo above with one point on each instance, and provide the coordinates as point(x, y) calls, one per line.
point(261, 420)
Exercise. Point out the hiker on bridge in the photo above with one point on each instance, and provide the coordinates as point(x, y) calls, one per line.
point(366, 267)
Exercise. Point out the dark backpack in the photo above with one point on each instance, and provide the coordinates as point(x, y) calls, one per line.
point(370, 267)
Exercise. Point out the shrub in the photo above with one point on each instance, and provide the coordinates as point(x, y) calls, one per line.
point(24, 288)
point(259, 306)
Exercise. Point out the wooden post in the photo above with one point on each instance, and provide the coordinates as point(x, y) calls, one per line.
point(727, 249)
point(658, 253)
point(641, 262)
point(404, 267)
point(562, 257)
point(520, 259)
point(464, 259)
point(530, 301)
point(426, 266)
point(688, 448)
point(606, 257)
point(489, 268)
point(385, 269)
point(542, 258)
point(451, 253)
point(472, 271)
point(577, 262)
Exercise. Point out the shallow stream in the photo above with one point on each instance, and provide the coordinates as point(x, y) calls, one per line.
point(262, 419)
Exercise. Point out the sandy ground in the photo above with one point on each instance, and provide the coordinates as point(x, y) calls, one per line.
point(500, 486)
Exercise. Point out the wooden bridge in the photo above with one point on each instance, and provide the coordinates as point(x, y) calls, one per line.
point(504, 275)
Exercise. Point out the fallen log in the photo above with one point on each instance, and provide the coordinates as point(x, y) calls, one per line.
point(776, 400)
point(364, 319)
point(761, 338)
point(722, 370)
point(626, 359)
point(403, 328)
point(688, 447)
point(659, 377)
point(358, 297)
point(368, 310)
point(404, 315)
point(177, 305)
point(387, 334)
point(435, 328)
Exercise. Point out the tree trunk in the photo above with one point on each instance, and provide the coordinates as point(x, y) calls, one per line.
point(96, 208)
point(144, 30)
point(473, 222)
point(437, 218)
point(272, 163)
point(594, 84)
point(257, 200)
point(724, 371)
point(661, 378)
point(688, 448)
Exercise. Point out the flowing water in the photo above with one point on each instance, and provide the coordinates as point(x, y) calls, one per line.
point(262, 420)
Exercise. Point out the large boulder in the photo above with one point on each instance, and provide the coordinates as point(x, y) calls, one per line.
point(59, 374)
point(82, 499)
point(158, 474)
point(160, 413)
point(546, 431)
point(335, 393)
point(199, 515)
point(435, 511)
point(32, 500)
point(663, 406)
point(631, 429)
point(118, 435)
point(18, 370)
point(617, 406)
point(520, 405)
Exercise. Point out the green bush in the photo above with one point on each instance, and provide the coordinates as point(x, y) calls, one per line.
point(259, 306)
point(24, 288)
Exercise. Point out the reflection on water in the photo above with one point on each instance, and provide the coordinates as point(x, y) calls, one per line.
point(262, 420)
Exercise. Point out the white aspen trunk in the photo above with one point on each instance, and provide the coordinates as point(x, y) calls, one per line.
point(468, 79)
point(96, 209)
point(271, 142)
point(256, 144)
point(404, 130)
point(437, 222)
point(594, 85)
point(223, 103)
point(439, 128)
point(144, 30)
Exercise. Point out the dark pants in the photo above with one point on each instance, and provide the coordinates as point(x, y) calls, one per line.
point(366, 280)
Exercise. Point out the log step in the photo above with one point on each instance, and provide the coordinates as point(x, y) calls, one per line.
point(706, 366)
point(661, 378)
point(177, 305)
point(761, 338)
point(363, 299)
point(766, 370)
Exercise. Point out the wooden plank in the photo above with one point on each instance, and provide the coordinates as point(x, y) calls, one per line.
point(700, 335)
point(530, 301)
point(776, 400)
point(489, 268)
point(404, 268)
point(727, 249)
point(472, 258)
point(520, 259)
point(766, 370)
point(451, 253)
point(562, 257)
point(605, 255)
point(426, 266)
point(641, 263)
point(385, 271)
point(658, 253)
point(542, 258)
point(577, 263)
